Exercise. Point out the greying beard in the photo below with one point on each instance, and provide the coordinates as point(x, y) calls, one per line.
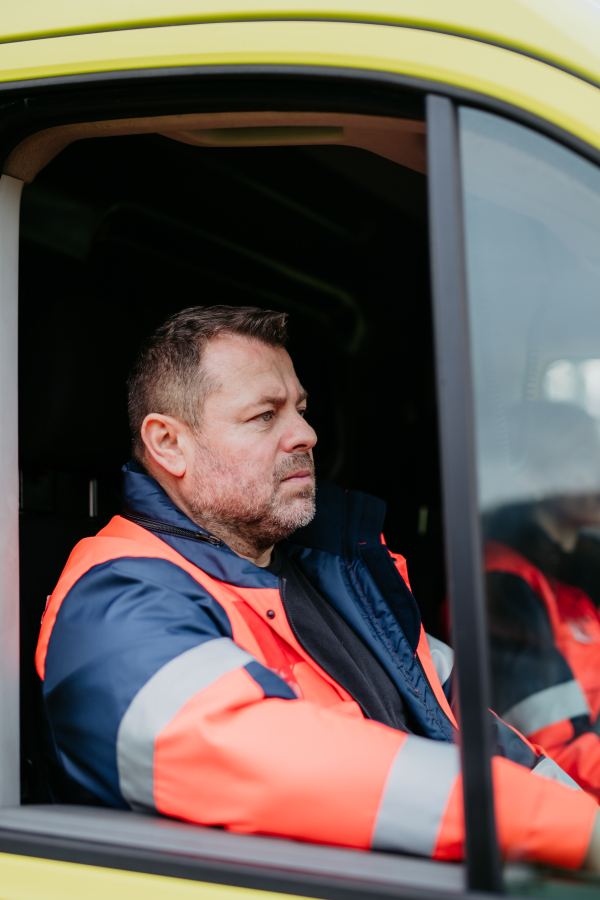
point(237, 509)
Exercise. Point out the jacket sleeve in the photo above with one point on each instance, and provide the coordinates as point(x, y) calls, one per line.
point(534, 688)
point(154, 706)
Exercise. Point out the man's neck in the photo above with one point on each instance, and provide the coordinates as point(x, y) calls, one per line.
point(263, 560)
point(563, 533)
point(260, 556)
point(242, 544)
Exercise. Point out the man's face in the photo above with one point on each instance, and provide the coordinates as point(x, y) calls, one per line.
point(253, 466)
point(581, 510)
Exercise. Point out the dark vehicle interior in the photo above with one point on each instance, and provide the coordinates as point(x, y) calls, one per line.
point(118, 234)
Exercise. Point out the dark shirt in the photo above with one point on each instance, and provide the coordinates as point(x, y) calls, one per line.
point(336, 647)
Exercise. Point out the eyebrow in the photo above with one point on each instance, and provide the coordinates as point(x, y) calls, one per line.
point(280, 400)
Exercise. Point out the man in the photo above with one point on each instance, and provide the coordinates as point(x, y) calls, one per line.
point(197, 663)
point(542, 572)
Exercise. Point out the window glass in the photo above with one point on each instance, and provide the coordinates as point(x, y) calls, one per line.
point(532, 220)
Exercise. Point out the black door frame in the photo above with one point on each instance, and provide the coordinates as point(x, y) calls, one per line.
point(462, 533)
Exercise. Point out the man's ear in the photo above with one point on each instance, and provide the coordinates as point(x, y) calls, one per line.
point(168, 443)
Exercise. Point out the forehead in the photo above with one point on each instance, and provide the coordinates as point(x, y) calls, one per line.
point(244, 366)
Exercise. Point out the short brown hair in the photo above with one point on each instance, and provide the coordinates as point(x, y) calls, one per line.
point(167, 377)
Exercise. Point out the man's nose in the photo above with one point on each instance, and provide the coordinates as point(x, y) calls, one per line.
point(299, 436)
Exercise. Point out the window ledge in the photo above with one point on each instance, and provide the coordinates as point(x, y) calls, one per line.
point(146, 843)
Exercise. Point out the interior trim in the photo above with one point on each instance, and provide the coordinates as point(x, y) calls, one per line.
point(400, 140)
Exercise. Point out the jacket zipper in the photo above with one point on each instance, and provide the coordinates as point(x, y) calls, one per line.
point(163, 528)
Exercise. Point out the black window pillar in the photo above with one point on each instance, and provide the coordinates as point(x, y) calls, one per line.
point(461, 517)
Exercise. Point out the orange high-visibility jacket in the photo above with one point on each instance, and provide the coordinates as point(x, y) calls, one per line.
point(546, 661)
point(172, 681)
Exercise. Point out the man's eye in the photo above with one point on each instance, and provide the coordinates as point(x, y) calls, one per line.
point(303, 412)
point(266, 417)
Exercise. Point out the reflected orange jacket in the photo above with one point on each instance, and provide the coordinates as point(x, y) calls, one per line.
point(548, 672)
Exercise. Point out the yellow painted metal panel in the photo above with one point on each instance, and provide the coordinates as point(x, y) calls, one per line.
point(565, 31)
point(544, 90)
point(30, 878)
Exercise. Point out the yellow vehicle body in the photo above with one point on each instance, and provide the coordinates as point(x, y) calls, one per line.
point(24, 878)
point(540, 56)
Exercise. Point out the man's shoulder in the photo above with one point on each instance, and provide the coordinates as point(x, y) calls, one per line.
point(123, 542)
point(113, 586)
point(126, 556)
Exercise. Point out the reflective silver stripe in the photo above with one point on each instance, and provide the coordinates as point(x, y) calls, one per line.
point(442, 657)
point(158, 702)
point(547, 768)
point(415, 796)
point(563, 701)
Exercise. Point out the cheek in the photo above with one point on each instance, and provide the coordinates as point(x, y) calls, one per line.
point(587, 510)
point(256, 457)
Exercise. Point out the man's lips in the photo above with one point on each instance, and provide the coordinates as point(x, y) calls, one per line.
point(298, 477)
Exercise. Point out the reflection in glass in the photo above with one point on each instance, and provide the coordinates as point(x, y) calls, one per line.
point(577, 381)
point(532, 219)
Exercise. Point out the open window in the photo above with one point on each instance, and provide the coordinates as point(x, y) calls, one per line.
point(296, 201)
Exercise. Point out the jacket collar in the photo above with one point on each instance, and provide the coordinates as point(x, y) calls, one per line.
point(143, 496)
point(344, 521)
